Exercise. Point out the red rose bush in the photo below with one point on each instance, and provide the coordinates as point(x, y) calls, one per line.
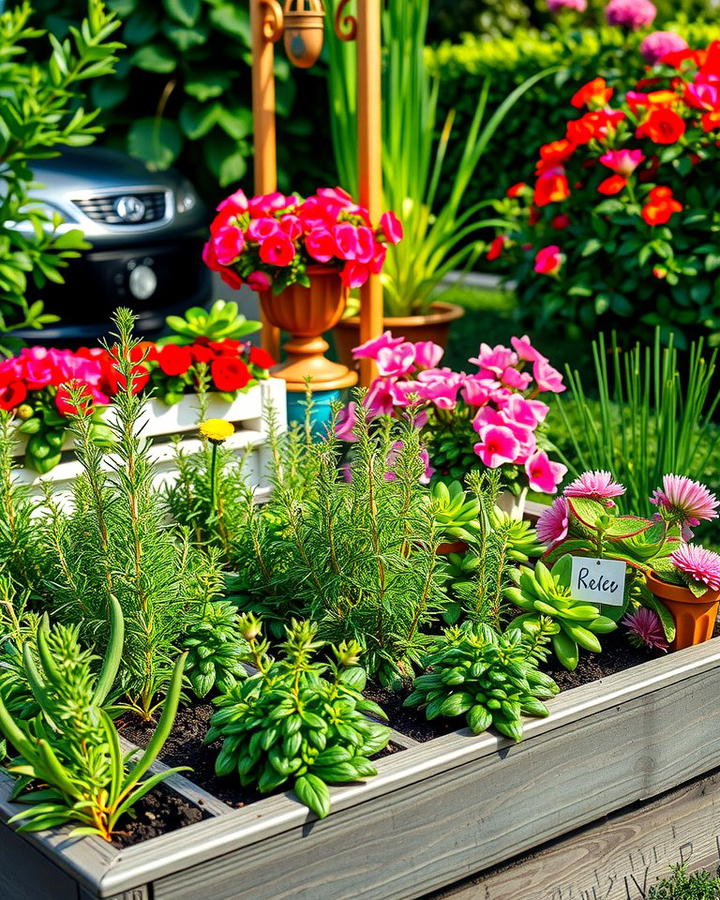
point(268, 241)
point(618, 225)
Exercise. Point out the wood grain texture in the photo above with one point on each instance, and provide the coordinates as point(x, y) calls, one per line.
point(619, 858)
point(27, 875)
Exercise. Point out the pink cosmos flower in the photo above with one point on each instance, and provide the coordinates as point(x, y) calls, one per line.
point(633, 14)
point(548, 379)
point(552, 526)
point(371, 348)
point(659, 44)
point(229, 243)
point(346, 422)
point(685, 502)
point(624, 162)
point(597, 485)
point(525, 350)
point(549, 260)
point(645, 628)
point(391, 227)
point(544, 475)
point(396, 361)
point(497, 445)
point(698, 564)
point(428, 354)
point(258, 281)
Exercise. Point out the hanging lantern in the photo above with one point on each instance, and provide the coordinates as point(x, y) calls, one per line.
point(303, 31)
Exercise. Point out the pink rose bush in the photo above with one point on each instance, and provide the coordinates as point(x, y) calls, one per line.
point(491, 415)
point(270, 240)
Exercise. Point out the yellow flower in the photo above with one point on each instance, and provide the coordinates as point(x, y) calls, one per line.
point(216, 430)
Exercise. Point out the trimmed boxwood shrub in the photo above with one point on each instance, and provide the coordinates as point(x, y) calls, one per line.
point(542, 113)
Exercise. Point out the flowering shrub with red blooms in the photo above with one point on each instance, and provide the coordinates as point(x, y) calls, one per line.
point(619, 225)
point(491, 415)
point(269, 241)
point(34, 385)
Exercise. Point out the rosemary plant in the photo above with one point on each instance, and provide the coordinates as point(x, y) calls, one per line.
point(357, 555)
point(72, 748)
point(654, 415)
point(116, 542)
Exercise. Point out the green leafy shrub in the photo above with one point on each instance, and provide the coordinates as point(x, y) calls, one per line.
point(182, 91)
point(681, 886)
point(70, 764)
point(490, 678)
point(291, 722)
point(538, 117)
point(41, 110)
point(215, 647)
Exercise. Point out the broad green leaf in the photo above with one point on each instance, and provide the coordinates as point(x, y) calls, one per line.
point(186, 12)
point(155, 58)
point(314, 794)
point(156, 141)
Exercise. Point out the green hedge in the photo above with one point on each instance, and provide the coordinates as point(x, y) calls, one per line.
point(541, 115)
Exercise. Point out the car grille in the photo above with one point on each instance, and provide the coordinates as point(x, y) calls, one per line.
point(106, 209)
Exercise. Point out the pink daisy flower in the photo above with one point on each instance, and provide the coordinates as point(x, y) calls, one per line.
point(685, 502)
point(698, 564)
point(645, 628)
point(552, 526)
point(597, 485)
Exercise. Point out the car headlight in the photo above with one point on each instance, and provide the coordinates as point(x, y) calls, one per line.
point(185, 197)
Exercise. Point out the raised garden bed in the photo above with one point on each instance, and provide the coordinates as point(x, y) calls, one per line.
point(436, 812)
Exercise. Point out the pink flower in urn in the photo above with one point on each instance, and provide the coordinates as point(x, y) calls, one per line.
point(396, 361)
point(258, 281)
point(228, 244)
point(497, 445)
point(235, 204)
point(320, 244)
point(354, 274)
point(552, 526)
point(544, 475)
point(348, 241)
point(259, 229)
point(547, 378)
point(277, 250)
point(525, 350)
point(645, 628)
point(266, 204)
point(701, 566)
point(371, 348)
point(624, 162)
point(391, 227)
point(428, 354)
point(292, 226)
point(659, 44)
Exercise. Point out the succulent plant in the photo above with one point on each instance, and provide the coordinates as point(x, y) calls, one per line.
point(455, 510)
point(490, 678)
point(541, 592)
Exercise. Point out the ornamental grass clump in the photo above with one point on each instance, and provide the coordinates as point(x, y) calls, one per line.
point(297, 720)
point(353, 548)
point(618, 226)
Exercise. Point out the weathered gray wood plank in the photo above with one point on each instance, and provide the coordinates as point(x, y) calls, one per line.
point(439, 826)
point(25, 874)
point(618, 858)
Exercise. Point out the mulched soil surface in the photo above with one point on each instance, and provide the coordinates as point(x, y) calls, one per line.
point(159, 812)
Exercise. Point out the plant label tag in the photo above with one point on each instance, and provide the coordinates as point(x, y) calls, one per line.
point(598, 581)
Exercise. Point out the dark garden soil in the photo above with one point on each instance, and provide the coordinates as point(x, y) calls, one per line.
point(163, 810)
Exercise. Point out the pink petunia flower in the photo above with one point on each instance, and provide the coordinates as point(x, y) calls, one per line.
point(544, 475)
point(698, 564)
point(396, 361)
point(346, 422)
point(497, 445)
point(645, 628)
point(552, 526)
point(495, 359)
point(685, 502)
point(428, 354)
point(596, 485)
point(371, 348)
point(391, 228)
point(525, 350)
point(548, 378)
point(624, 162)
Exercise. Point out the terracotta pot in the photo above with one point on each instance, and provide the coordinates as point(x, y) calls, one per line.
point(451, 547)
point(694, 616)
point(435, 326)
point(305, 313)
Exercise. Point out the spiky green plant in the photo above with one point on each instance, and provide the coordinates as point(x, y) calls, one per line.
point(72, 748)
point(116, 541)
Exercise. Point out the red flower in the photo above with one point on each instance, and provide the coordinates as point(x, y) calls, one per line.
point(12, 394)
point(226, 347)
point(116, 381)
point(662, 126)
point(516, 189)
point(553, 154)
point(261, 358)
point(612, 185)
point(596, 125)
point(711, 120)
point(551, 187)
point(201, 353)
point(496, 247)
point(174, 360)
point(595, 93)
point(65, 404)
point(548, 260)
point(277, 250)
point(560, 222)
point(229, 374)
point(660, 206)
